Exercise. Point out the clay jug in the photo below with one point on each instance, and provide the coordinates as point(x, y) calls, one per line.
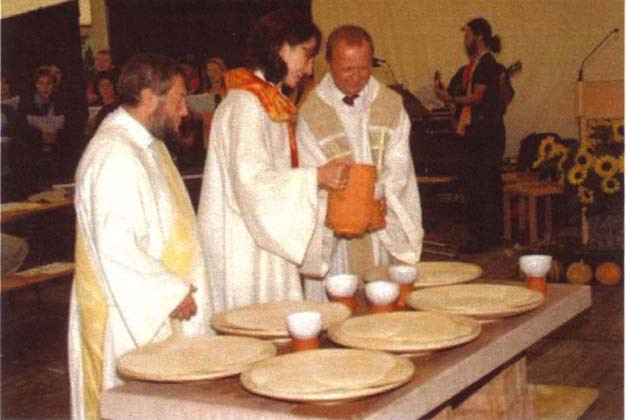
point(350, 210)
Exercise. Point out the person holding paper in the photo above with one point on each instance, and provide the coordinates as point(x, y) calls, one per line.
point(258, 209)
point(43, 136)
point(138, 258)
point(350, 113)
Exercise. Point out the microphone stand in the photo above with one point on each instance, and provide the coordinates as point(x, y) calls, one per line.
point(582, 64)
point(579, 84)
point(584, 226)
point(393, 76)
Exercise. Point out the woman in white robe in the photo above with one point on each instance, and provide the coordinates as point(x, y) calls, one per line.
point(258, 210)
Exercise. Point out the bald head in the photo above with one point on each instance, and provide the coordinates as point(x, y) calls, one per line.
point(351, 35)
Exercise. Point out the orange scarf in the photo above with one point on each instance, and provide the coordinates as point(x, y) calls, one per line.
point(278, 107)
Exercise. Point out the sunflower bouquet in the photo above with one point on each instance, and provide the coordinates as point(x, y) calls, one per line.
point(593, 169)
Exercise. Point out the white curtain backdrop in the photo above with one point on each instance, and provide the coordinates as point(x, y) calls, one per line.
point(550, 37)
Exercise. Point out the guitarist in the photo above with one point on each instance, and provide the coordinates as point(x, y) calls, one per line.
point(476, 91)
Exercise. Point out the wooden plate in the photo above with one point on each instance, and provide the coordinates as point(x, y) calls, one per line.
point(405, 331)
point(434, 273)
point(327, 375)
point(267, 320)
point(181, 359)
point(479, 300)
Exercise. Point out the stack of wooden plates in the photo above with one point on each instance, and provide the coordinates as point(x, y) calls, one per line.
point(327, 375)
point(434, 273)
point(267, 320)
point(479, 300)
point(181, 358)
point(405, 331)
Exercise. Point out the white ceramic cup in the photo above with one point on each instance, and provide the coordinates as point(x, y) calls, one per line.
point(535, 265)
point(382, 292)
point(304, 325)
point(342, 285)
point(403, 274)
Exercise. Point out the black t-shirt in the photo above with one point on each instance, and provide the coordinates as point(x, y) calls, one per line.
point(490, 110)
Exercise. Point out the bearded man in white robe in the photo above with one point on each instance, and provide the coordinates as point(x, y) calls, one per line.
point(139, 267)
point(258, 209)
point(351, 114)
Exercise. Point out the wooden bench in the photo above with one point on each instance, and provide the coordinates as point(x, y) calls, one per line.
point(33, 276)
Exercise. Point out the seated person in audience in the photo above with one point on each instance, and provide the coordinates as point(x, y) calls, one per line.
point(103, 63)
point(7, 96)
point(57, 76)
point(214, 70)
point(187, 152)
point(105, 84)
point(189, 65)
point(107, 94)
point(42, 136)
point(9, 129)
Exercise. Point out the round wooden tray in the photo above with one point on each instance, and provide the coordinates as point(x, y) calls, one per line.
point(267, 320)
point(404, 332)
point(327, 375)
point(479, 300)
point(434, 273)
point(181, 359)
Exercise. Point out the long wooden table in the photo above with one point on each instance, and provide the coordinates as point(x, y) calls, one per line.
point(438, 377)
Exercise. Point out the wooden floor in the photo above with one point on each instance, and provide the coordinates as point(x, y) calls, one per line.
point(587, 351)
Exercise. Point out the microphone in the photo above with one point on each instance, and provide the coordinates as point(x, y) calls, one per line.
point(582, 64)
point(378, 62)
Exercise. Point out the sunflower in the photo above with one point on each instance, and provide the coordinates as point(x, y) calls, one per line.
point(577, 175)
point(557, 150)
point(538, 162)
point(618, 131)
point(610, 185)
point(606, 166)
point(584, 159)
point(546, 146)
point(585, 195)
point(588, 145)
point(620, 164)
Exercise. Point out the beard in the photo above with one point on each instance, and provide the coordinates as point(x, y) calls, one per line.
point(162, 127)
point(471, 49)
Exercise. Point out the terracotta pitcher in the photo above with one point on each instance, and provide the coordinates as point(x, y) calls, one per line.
point(350, 210)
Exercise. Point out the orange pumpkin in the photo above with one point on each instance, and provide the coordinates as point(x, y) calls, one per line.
point(608, 273)
point(579, 273)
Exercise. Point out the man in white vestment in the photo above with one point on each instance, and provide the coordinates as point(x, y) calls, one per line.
point(139, 266)
point(257, 208)
point(352, 114)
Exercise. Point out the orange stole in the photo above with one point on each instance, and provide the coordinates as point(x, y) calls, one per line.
point(278, 107)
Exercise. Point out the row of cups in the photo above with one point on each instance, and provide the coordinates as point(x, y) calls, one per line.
point(382, 295)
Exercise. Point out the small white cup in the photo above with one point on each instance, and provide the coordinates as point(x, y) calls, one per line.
point(403, 274)
point(381, 293)
point(535, 265)
point(304, 329)
point(304, 325)
point(342, 285)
